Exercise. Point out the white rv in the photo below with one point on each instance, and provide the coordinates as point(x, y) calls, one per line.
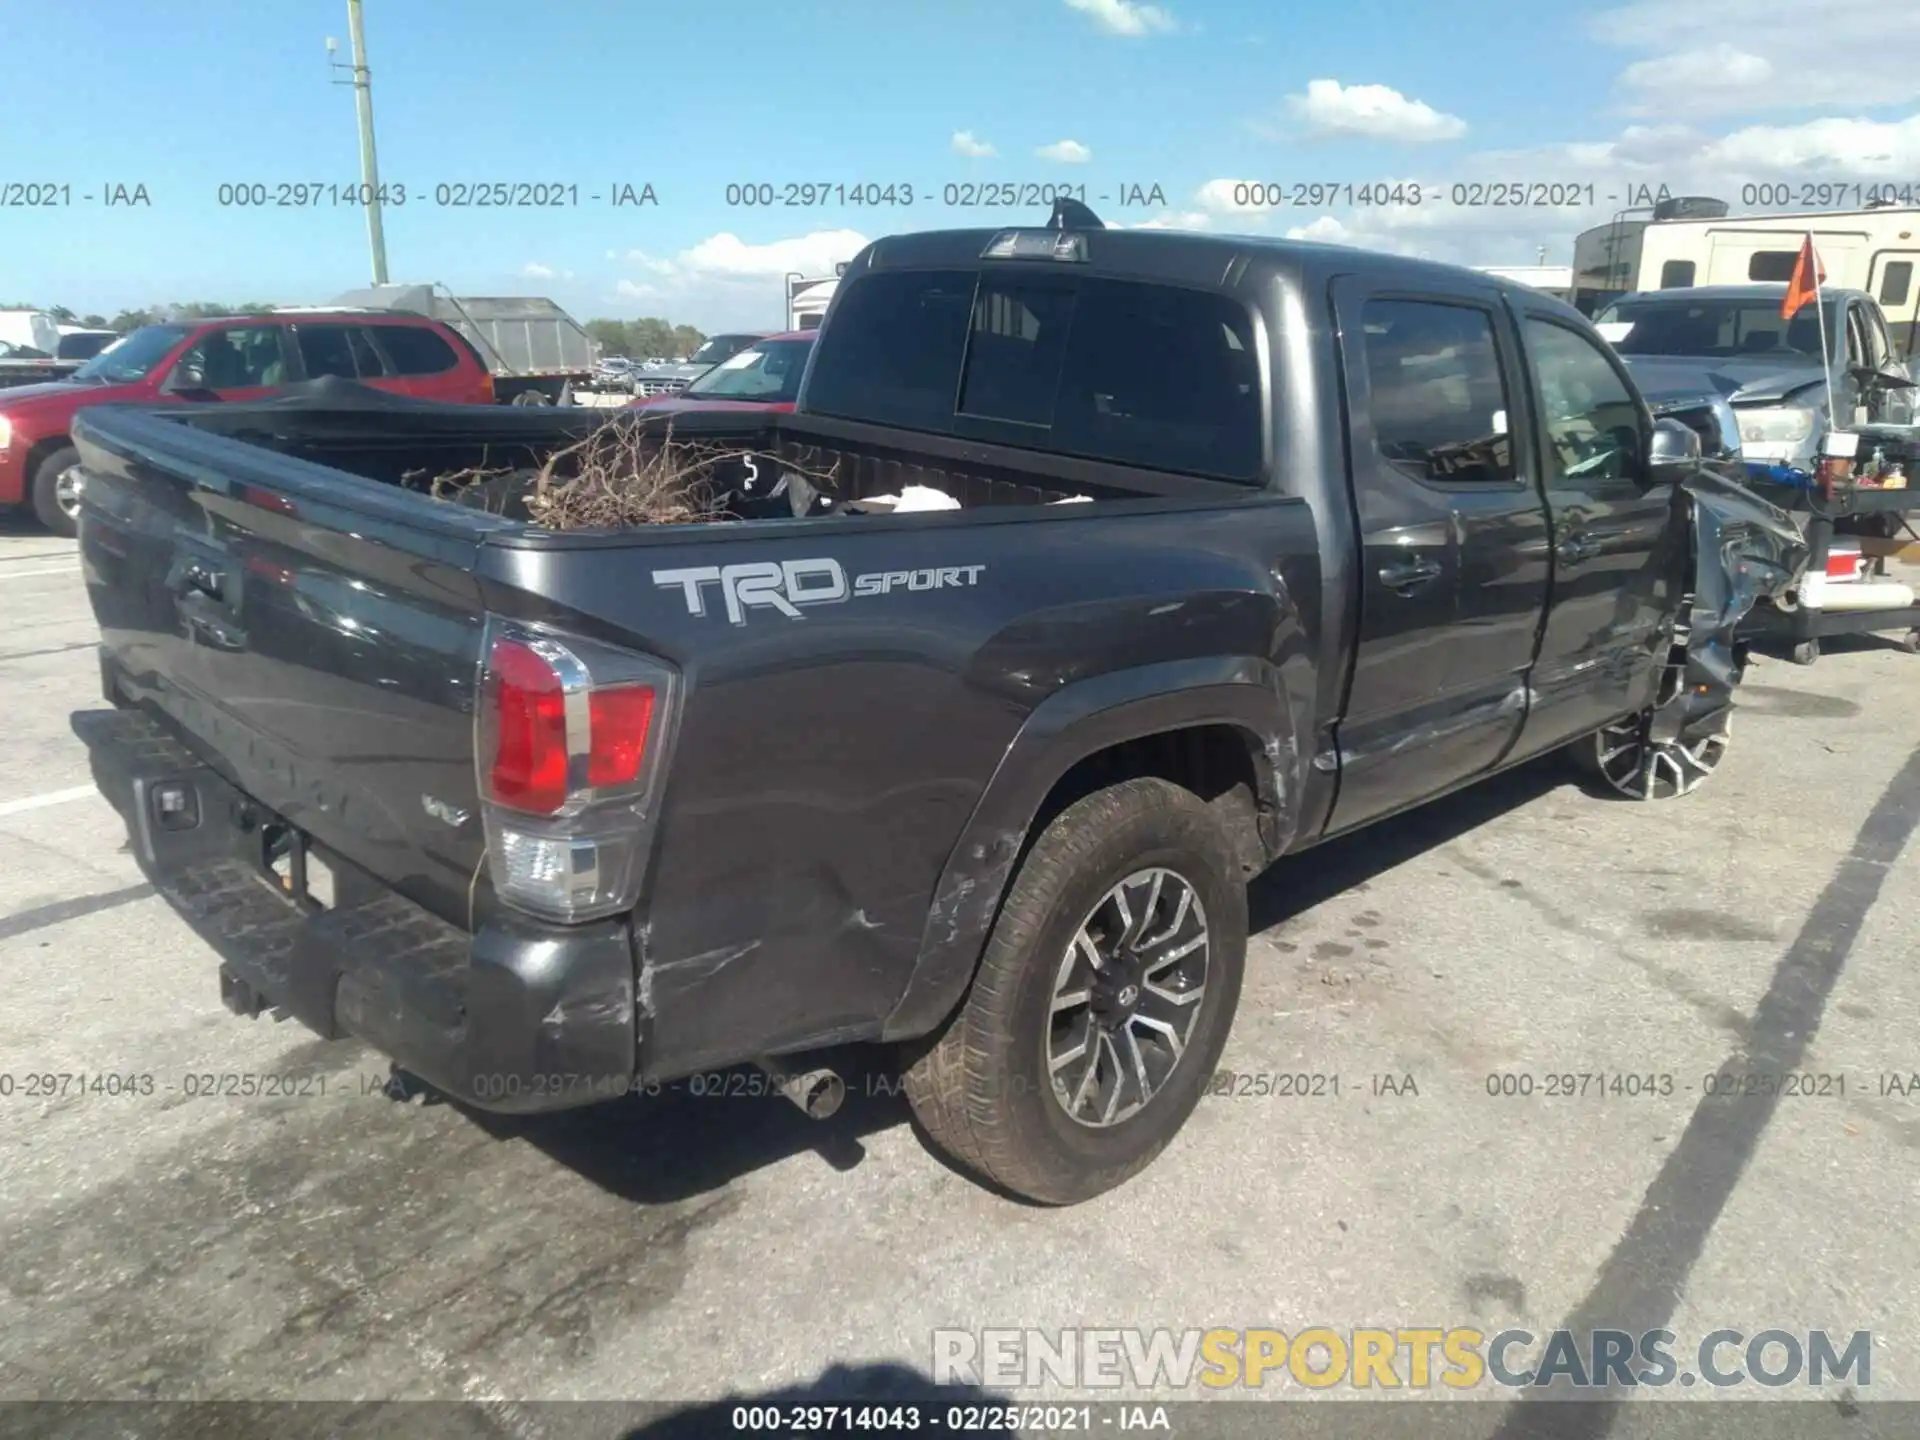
point(809, 296)
point(1876, 250)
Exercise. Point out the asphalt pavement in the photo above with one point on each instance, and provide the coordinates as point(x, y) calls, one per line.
point(328, 1242)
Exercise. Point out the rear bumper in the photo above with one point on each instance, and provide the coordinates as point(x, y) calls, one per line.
point(518, 1017)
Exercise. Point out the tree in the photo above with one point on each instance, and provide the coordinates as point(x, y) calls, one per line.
point(132, 320)
point(644, 338)
point(94, 322)
point(609, 335)
point(61, 314)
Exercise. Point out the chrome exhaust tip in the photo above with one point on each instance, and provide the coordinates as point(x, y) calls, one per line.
point(819, 1091)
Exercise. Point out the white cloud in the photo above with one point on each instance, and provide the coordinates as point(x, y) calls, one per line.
point(1067, 152)
point(1378, 111)
point(1126, 17)
point(1752, 56)
point(534, 270)
point(1703, 77)
point(723, 282)
point(1170, 220)
point(1229, 197)
point(965, 142)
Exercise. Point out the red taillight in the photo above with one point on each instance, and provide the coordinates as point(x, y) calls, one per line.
point(619, 720)
point(531, 746)
point(528, 768)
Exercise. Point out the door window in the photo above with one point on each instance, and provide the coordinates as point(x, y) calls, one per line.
point(328, 350)
point(1437, 395)
point(1894, 282)
point(239, 358)
point(1590, 418)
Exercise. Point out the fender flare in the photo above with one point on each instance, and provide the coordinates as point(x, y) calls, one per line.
point(1064, 729)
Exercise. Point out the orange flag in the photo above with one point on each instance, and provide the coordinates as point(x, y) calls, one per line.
point(1804, 287)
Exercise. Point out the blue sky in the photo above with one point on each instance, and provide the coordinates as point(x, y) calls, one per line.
point(1194, 96)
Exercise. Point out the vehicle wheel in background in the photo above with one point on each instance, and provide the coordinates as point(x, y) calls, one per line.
point(56, 491)
point(532, 397)
point(1807, 651)
point(1102, 1004)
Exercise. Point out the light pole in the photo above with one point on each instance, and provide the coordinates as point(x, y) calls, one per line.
point(362, 82)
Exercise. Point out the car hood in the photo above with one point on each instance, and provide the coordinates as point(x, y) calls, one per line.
point(15, 396)
point(1741, 381)
point(670, 372)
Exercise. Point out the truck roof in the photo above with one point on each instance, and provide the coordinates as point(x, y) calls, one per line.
point(1188, 258)
point(1757, 290)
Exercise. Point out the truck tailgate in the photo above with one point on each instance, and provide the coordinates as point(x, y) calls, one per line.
point(316, 641)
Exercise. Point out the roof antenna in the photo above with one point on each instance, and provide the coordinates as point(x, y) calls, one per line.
point(1070, 214)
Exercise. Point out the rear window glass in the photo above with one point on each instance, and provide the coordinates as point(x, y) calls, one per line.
point(416, 350)
point(1771, 265)
point(892, 354)
point(1138, 374)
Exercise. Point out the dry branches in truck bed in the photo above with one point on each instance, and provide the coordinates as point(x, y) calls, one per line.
point(624, 473)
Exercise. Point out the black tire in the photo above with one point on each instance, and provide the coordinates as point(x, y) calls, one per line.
point(981, 1087)
point(1806, 651)
point(532, 397)
point(47, 495)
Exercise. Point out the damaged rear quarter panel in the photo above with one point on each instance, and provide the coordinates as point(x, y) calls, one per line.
point(829, 766)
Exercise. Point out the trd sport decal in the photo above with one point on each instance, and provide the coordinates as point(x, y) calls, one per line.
point(787, 585)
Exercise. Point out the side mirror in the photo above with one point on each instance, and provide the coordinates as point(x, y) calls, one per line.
point(1674, 453)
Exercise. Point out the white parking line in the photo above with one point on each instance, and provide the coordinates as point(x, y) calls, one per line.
point(47, 570)
point(52, 797)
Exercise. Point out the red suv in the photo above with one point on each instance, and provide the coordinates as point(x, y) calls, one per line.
point(243, 358)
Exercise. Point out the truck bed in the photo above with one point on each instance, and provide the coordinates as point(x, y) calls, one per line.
point(316, 640)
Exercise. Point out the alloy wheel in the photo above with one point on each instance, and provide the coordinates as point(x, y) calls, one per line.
point(1126, 996)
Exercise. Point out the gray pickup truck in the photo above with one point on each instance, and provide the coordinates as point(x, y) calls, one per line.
point(1248, 544)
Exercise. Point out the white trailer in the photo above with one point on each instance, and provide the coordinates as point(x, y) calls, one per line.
point(809, 296)
point(1876, 250)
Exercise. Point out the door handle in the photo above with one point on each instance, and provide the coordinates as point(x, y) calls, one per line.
point(198, 577)
point(1576, 548)
point(1409, 575)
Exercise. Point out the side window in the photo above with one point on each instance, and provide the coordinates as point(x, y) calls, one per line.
point(326, 350)
point(1772, 265)
point(1676, 275)
point(892, 354)
point(365, 355)
point(1895, 281)
point(1438, 400)
point(1859, 347)
point(1162, 378)
point(1592, 424)
point(416, 350)
point(242, 357)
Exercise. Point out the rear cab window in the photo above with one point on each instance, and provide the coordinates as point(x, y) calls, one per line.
point(1132, 372)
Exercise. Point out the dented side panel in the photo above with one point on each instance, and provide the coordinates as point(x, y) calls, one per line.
point(1744, 550)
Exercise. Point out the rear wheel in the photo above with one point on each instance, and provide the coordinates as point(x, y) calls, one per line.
point(1102, 1004)
point(56, 491)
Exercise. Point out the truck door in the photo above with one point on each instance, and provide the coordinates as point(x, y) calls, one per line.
point(1616, 553)
point(1453, 539)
